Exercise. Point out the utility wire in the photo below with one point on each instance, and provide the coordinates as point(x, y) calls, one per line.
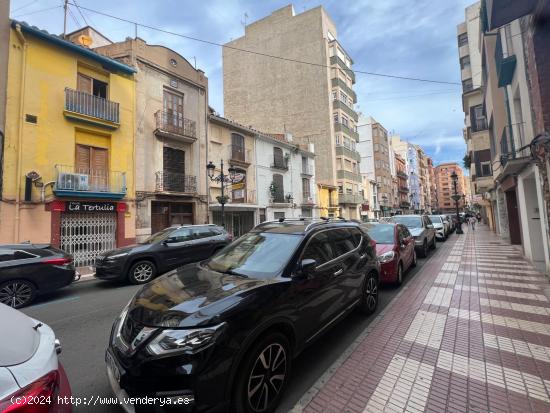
point(25, 5)
point(196, 39)
point(80, 12)
point(37, 11)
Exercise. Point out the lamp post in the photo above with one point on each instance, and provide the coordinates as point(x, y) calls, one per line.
point(464, 202)
point(223, 179)
point(456, 198)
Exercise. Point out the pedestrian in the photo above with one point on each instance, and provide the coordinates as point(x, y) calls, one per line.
point(472, 222)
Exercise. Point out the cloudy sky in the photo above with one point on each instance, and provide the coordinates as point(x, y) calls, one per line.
point(399, 37)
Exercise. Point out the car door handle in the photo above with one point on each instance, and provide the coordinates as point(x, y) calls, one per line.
point(362, 257)
point(339, 272)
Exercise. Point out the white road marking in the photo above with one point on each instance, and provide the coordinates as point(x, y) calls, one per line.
point(524, 308)
point(427, 329)
point(522, 348)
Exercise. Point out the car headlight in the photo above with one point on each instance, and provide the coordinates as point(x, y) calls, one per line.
point(117, 326)
point(189, 341)
point(112, 257)
point(386, 257)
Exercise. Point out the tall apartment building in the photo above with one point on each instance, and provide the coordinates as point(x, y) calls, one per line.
point(402, 184)
point(433, 186)
point(476, 128)
point(445, 187)
point(315, 102)
point(409, 153)
point(423, 174)
point(372, 133)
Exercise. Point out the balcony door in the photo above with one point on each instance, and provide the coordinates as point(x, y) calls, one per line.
point(173, 170)
point(92, 86)
point(237, 147)
point(173, 111)
point(93, 162)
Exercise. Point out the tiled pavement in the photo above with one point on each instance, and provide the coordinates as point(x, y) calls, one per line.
point(470, 333)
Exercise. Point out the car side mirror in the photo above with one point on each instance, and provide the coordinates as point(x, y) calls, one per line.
point(169, 240)
point(306, 267)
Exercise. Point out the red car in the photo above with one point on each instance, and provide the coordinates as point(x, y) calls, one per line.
point(394, 248)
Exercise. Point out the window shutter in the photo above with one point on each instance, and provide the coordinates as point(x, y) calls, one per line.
point(99, 161)
point(82, 162)
point(84, 83)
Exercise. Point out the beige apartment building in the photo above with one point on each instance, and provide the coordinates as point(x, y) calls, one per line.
point(476, 128)
point(314, 102)
point(171, 126)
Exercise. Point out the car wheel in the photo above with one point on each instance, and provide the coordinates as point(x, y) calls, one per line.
point(17, 293)
point(263, 375)
point(369, 297)
point(434, 246)
point(399, 279)
point(142, 272)
point(424, 250)
point(413, 263)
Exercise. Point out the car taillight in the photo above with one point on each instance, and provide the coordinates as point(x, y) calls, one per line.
point(37, 397)
point(372, 243)
point(57, 261)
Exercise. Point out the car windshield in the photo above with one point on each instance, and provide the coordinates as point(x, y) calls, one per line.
point(382, 233)
point(409, 222)
point(159, 236)
point(256, 255)
point(436, 219)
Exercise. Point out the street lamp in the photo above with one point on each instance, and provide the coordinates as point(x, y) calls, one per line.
point(456, 198)
point(223, 179)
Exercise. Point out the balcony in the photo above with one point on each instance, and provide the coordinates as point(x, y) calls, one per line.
point(239, 156)
point(89, 183)
point(175, 182)
point(307, 170)
point(280, 162)
point(280, 199)
point(402, 174)
point(338, 104)
point(347, 152)
point(479, 125)
point(403, 189)
point(335, 60)
point(350, 176)
point(340, 127)
point(85, 107)
point(336, 82)
point(174, 125)
point(350, 199)
point(307, 199)
point(506, 65)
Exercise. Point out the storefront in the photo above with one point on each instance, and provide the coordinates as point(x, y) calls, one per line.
point(86, 229)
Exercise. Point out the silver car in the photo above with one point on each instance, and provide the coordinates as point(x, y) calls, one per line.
point(422, 229)
point(440, 227)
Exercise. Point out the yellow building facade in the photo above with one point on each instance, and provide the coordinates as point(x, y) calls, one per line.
point(69, 146)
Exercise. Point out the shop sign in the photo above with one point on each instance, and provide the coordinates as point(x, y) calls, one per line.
point(90, 206)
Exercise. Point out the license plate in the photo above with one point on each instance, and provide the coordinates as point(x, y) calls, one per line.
point(111, 364)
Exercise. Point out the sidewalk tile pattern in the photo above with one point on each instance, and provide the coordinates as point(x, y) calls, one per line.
point(470, 332)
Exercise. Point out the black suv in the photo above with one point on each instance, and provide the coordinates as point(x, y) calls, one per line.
point(222, 333)
point(30, 269)
point(167, 249)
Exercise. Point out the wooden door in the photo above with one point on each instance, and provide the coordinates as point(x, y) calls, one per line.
point(93, 162)
point(513, 217)
point(173, 111)
point(159, 216)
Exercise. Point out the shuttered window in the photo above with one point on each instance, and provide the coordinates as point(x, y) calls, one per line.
point(174, 160)
point(279, 189)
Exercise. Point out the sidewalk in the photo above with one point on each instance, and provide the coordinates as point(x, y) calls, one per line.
point(471, 332)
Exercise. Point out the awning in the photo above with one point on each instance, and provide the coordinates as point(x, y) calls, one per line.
point(513, 167)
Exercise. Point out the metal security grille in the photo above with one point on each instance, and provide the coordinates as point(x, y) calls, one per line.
point(85, 236)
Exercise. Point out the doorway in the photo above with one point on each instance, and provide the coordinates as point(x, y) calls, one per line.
point(513, 217)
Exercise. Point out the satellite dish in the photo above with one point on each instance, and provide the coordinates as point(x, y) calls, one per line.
point(85, 40)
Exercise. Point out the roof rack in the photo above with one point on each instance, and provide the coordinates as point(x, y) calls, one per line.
point(327, 220)
point(282, 220)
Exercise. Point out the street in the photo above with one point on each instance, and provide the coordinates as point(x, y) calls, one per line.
point(82, 314)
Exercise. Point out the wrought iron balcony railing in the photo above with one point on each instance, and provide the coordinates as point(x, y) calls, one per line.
point(85, 182)
point(91, 105)
point(175, 182)
point(243, 197)
point(176, 124)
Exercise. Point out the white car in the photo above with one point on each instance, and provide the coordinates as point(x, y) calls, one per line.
point(31, 376)
point(439, 226)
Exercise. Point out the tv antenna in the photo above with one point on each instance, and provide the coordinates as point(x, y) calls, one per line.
point(244, 19)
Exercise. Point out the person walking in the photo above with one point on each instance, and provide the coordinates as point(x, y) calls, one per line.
point(472, 222)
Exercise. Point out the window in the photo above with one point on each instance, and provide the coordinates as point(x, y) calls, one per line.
point(343, 98)
point(342, 241)
point(334, 95)
point(93, 162)
point(467, 85)
point(485, 168)
point(319, 249)
point(462, 39)
point(347, 143)
point(181, 235)
point(279, 193)
point(340, 189)
point(92, 86)
point(305, 188)
point(237, 147)
point(204, 232)
point(337, 139)
point(353, 144)
point(465, 62)
point(335, 116)
point(278, 158)
point(345, 120)
point(477, 118)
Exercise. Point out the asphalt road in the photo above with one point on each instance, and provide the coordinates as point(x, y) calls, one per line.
point(82, 314)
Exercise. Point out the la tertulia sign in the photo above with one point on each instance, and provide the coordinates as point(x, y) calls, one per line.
point(86, 206)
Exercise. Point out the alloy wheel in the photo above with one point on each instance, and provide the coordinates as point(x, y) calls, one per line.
point(399, 274)
point(267, 377)
point(371, 292)
point(143, 272)
point(16, 294)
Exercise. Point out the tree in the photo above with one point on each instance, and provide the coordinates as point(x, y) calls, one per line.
point(467, 161)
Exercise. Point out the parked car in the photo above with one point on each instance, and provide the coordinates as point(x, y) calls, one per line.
point(27, 270)
point(440, 227)
point(31, 377)
point(223, 332)
point(167, 249)
point(451, 222)
point(422, 230)
point(394, 248)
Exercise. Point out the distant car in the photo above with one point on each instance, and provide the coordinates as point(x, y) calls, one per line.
point(27, 270)
point(31, 377)
point(394, 248)
point(223, 333)
point(422, 230)
point(161, 252)
point(440, 227)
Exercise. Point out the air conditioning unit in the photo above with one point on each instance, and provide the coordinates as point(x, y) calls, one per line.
point(72, 182)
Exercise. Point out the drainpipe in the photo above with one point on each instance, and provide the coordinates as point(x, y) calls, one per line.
point(509, 117)
point(20, 135)
point(206, 179)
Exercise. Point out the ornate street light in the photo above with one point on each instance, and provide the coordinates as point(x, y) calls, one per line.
point(223, 179)
point(456, 197)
